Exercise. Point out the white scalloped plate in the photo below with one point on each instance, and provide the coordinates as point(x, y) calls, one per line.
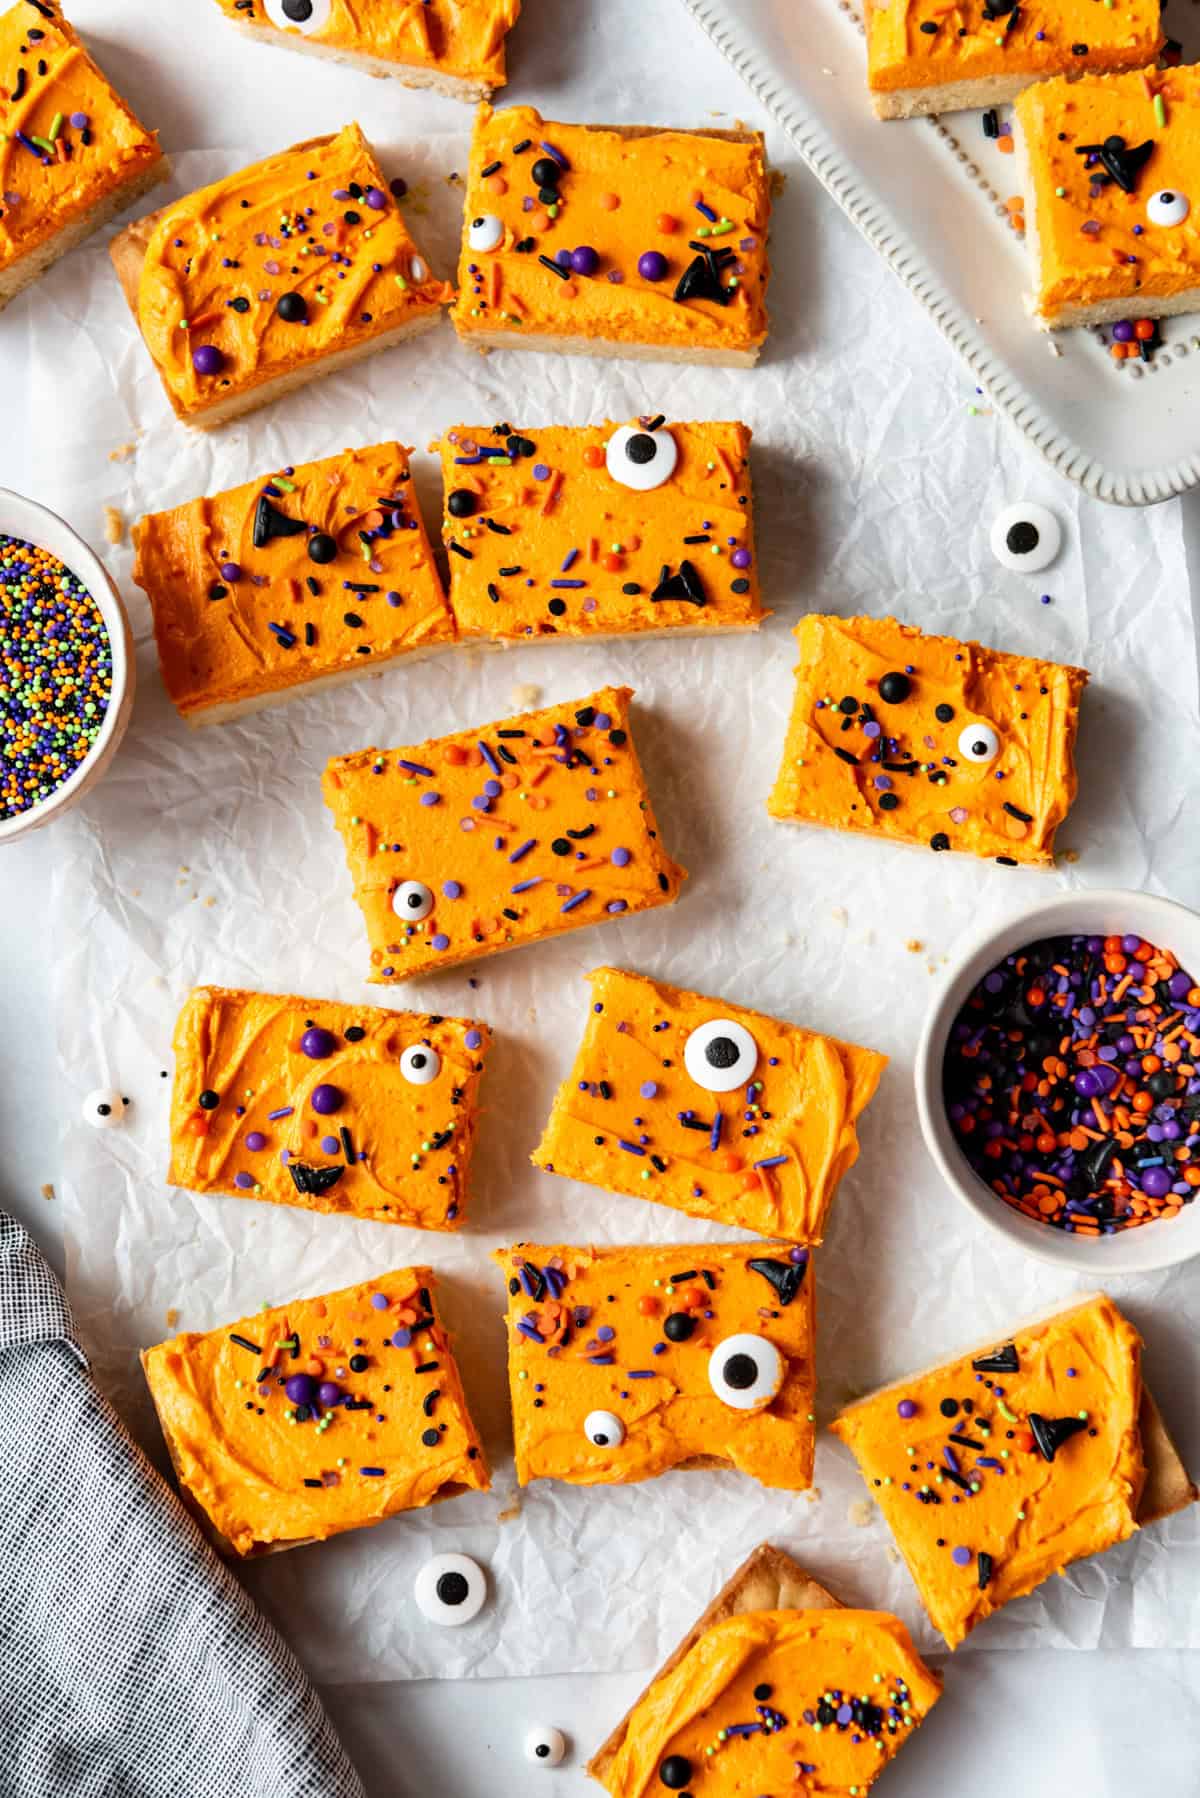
point(928, 194)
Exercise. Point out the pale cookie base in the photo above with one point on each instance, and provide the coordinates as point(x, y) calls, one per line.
point(416, 75)
point(950, 96)
point(199, 717)
point(546, 341)
point(1043, 862)
point(18, 275)
point(495, 640)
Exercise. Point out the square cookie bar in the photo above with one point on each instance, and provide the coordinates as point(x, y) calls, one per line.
point(74, 154)
point(928, 740)
point(606, 531)
point(454, 46)
point(708, 1107)
point(626, 1362)
point(301, 579)
point(1000, 1467)
point(1110, 170)
point(320, 1416)
point(924, 56)
point(776, 1685)
point(337, 1108)
point(614, 240)
point(238, 288)
point(481, 841)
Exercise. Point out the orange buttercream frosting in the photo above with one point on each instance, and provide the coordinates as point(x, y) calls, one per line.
point(777, 1701)
point(319, 1416)
point(337, 1108)
point(606, 530)
point(322, 571)
point(243, 281)
point(925, 43)
point(626, 1362)
point(1097, 242)
point(464, 38)
point(675, 223)
point(481, 841)
point(706, 1106)
point(67, 139)
point(999, 1469)
point(928, 740)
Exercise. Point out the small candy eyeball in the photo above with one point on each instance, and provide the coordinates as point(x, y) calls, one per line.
point(641, 460)
point(451, 1590)
point(105, 1108)
point(485, 233)
point(604, 1429)
point(420, 1064)
point(1167, 207)
point(745, 1372)
point(412, 901)
point(978, 743)
point(305, 16)
point(546, 1746)
point(720, 1055)
point(1026, 537)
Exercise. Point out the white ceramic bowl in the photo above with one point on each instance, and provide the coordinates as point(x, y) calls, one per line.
point(24, 518)
point(1159, 921)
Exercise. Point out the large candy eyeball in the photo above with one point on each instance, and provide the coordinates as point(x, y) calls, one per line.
point(451, 1590)
point(485, 233)
point(641, 459)
point(412, 901)
point(105, 1108)
point(979, 743)
point(720, 1055)
point(546, 1746)
point(1167, 207)
point(745, 1372)
point(420, 1064)
point(1026, 537)
point(305, 16)
point(604, 1429)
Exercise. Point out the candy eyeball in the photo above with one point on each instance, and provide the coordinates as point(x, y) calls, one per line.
point(1167, 207)
point(978, 743)
point(745, 1372)
point(641, 460)
point(546, 1746)
point(1026, 538)
point(305, 16)
point(485, 233)
point(412, 901)
point(420, 1064)
point(720, 1055)
point(105, 1108)
point(604, 1429)
point(451, 1590)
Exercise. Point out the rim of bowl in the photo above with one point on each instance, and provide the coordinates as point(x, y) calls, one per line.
point(35, 523)
point(1172, 1241)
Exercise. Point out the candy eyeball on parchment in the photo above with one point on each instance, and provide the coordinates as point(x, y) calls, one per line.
point(451, 1590)
point(1025, 537)
point(105, 1108)
point(545, 1746)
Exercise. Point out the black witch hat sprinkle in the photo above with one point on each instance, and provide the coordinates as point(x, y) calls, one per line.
point(1051, 1432)
point(787, 1277)
point(270, 522)
point(1122, 162)
point(701, 279)
point(1004, 1360)
point(313, 1180)
point(685, 585)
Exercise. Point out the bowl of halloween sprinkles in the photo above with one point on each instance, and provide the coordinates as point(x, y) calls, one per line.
point(1058, 1081)
point(66, 666)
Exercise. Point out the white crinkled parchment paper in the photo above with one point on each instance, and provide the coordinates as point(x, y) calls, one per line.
point(208, 856)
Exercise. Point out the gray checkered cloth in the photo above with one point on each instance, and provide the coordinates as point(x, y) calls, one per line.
point(135, 1666)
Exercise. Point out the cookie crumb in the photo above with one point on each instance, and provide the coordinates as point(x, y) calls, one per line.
point(48, 1191)
point(114, 525)
point(861, 1512)
point(914, 945)
point(122, 452)
point(172, 1318)
point(525, 697)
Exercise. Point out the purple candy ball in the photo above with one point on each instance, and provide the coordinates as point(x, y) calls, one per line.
point(961, 1557)
point(256, 1140)
point(1156, 1182)
point(330, 1144)
point(207, 359)
point(652, 265)
point(473, 1039)
point(231, 571)
point(906, 1408)
point(301, 1389)
point(741, 558)
point(328, 1392)
point(327, 1099)
point(376, 199)
point(620, 857)
point(1180, 984)
point(379, 1301)
point(584, 260)
point(244, 1181)
point(317, 1044)
point(1122, 333)
point(79, 120)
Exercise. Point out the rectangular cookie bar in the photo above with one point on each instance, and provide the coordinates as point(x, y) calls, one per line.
point(301, 579)
point(345, 1109)
point(928, 740)
point(474, 843)
point(708, 1107)
point(1000, 1467)
point(626, 1362)
point(606, 531)
point(72, 154)
point(238, 288)
point(456, 47)
point(1110, 170)
point(926, 56)
point(321, 1416)
point(614, 240)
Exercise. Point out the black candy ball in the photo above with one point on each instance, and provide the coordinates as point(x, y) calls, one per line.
point(675, 1772)
point(461, 503)
point(679, 1326)
point(546, 172)
point(894, 688)
point(292, 308)
point(321, 547)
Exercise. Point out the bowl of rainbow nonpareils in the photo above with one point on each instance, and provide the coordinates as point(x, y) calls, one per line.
point(66, 666)
point(1058, 1081)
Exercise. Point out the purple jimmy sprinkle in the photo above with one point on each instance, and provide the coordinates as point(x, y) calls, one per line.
point(577, 900)
point(771, 1161)
point(414, 768)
